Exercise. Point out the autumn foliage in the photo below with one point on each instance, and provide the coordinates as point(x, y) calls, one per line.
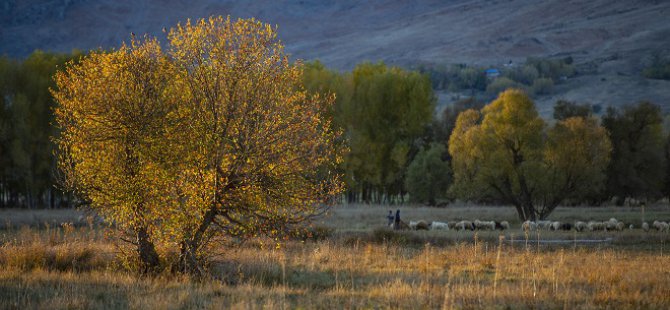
point(213, 137)
point(506, 152)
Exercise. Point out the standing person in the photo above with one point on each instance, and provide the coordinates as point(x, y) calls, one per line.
point(397, 219)
point(390, 218)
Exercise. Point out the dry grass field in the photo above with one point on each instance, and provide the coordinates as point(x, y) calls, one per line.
point(358, 265)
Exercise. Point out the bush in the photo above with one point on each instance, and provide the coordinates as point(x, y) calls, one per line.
point(314, 233)
point(659, 68)
point(526, 74)
point(543, 86)
point(501, 84)
point(564, 109)
point(552, 68)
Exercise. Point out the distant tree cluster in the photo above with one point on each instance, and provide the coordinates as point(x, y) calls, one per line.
point(27, 166)
point(658, 68)
point(536, 76)
point(384, 112)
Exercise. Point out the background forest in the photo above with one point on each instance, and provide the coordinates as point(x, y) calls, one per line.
point(398, 139)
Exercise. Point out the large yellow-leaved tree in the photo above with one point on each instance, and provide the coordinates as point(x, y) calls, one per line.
point(505, 152)
point(213, 137)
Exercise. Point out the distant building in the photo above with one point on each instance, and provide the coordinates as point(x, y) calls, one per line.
point(492, 73)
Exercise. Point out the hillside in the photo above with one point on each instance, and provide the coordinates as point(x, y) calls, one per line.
point(610, 39)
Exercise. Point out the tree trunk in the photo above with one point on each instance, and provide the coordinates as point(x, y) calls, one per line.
point(52, 199)
point(188, 257)
point(149, 261)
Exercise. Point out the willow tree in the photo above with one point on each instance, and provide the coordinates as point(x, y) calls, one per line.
point(112, 112)
point(505, 152)
point(220, 140)
point(262, 146)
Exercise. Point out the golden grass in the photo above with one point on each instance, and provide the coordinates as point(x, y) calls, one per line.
point(77, 267)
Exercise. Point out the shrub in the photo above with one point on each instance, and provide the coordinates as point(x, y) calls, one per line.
point(543, 86)
point(552, 68)
point(564, 109)
point(501, 84)
point(659, 68)
point(314, 233)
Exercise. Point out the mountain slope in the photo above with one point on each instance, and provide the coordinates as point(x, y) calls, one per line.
point(616, 37)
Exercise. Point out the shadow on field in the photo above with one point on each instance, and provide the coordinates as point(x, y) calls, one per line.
point(64, 294)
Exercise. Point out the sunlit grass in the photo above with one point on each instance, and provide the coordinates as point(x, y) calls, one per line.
point(77, 267)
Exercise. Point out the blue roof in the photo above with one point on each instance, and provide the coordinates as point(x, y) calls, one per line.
point(492, 71)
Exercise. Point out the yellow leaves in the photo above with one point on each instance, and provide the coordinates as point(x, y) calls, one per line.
point(218, 121)
point(588, 153)
point(511, 156)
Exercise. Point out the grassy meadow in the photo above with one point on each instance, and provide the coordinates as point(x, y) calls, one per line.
point(52, 260)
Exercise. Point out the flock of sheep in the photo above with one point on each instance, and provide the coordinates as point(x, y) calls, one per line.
point(610, 225)
point(462, 225)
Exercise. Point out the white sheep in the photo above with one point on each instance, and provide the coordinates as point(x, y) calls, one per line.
point(529, 226)
point(478, 224)
point(464, 225)
point(504, 225)
point(661, 226)
point(631, 226)
point(612, 224)
point(580, 226)
point(546, 225)
point(439, 226)
point(620, 226)
point(555, 225)
point(412, 225)
point(486, 225)
point(593, 226)
point(645, 226)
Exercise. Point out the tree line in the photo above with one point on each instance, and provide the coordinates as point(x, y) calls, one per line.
point(398, 147)
point(536, 76)
point(628, 146)
point(27, 165)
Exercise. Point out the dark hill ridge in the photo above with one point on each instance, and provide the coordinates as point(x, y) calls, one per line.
point(615, 37)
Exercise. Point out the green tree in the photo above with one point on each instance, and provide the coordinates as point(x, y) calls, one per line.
point(504, 152)
point(27, 166)
point(638, 160)
point(444, 124)
point(501, 84)
point(543, 86)
point(383, 112)
point(564, 109)
point(429, 176)
point(658, 68)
